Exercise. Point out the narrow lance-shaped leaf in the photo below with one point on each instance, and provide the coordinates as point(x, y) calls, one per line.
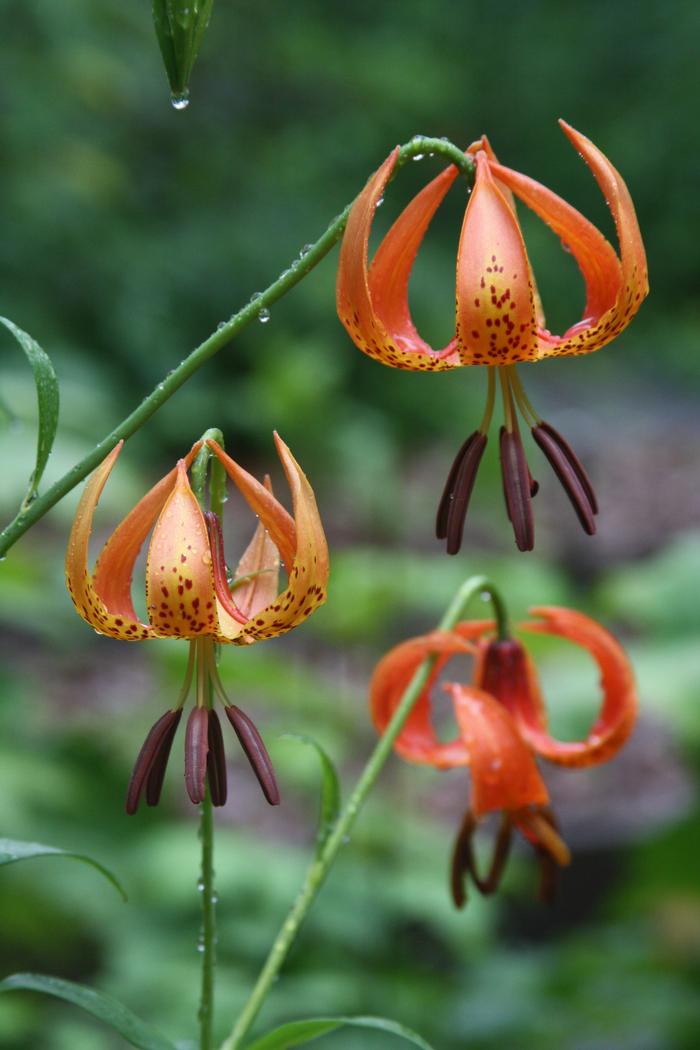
point(296, 1033)
point(180, 26)
point(136, 1032)
point(13, 850)
point(47, 398)
point(330, 790)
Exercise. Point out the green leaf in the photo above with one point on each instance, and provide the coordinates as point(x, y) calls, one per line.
point(180, 26)
point(330, 790)
point(104, 1007)
point(295, 1033)
point(47, 397)
point(12, 850)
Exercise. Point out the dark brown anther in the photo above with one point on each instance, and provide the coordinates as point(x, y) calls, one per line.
point(464, 863)
point(197, 753)
point(517, 488)
point(154, 784)
point(149, 768)
point(454, 503)
point(255, 751)
point(568, 468)
point(216, 762)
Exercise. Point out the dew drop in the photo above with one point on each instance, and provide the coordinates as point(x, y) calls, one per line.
point(264, 315)
point(200, 885)
point(379, 202)
point(181, 100)
point(418, 156)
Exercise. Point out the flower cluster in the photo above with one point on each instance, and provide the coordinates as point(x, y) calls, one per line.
point(499, 317)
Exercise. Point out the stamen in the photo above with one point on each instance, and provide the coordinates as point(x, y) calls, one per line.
point(255, 751)
point(517, 487)
point(544, 835)
point(523, 401)
point(149, 768)
point(218, 564)
point(216, 761)
point(196, 753)
point(154, 784)
point(463, 860)
point(571, 474)
point(454, 504)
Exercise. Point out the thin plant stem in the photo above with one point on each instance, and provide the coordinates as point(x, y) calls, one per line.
point(299, 268)
point(319, 869)
point(207, 943)
point(205, 663)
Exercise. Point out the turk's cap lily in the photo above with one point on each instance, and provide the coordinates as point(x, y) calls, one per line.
point(502, 726)
point(499, 317)
point(187, 590)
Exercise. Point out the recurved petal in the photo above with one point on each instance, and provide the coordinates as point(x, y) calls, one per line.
point(504, 774)
point(618, 711)
point(496, 317)
point(390, 271)
point(256, 580)
point(597, 261)
point(278, 522)
point(373, 303)
point(78, 578)
point(634, 286)
point(179, 578)
point(308, 575)
point(418, 741)
point(115, 565)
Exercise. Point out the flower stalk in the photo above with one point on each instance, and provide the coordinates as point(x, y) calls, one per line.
point(207, 943)
point(319, 869)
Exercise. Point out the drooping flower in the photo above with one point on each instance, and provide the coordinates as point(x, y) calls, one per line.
point(499, 317)
point(189, 596)
point(502, 725)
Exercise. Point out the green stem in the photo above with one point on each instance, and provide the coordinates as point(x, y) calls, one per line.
point(319, 869)
point(418, 146)
point(205, 661)
point(207, 943)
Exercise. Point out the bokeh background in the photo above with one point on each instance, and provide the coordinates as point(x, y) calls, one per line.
point(129, 231)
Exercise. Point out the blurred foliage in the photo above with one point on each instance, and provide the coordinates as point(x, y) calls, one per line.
point(129, 231)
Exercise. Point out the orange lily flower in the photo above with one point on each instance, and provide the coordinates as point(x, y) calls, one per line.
point(499, 316)
point(188, 596)
point(502, 724)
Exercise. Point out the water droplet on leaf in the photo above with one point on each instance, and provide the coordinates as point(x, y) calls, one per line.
point(180, 101)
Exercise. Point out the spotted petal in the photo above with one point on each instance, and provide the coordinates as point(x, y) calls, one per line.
point(615, 288)
point(300, 541)
point(179, 577)
point(122, 622)
point(618, 711)
point(372, 302)
point(418, 740)
point(257, 573)
point(496, 316)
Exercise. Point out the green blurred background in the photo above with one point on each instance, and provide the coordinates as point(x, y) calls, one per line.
point(129, 231)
